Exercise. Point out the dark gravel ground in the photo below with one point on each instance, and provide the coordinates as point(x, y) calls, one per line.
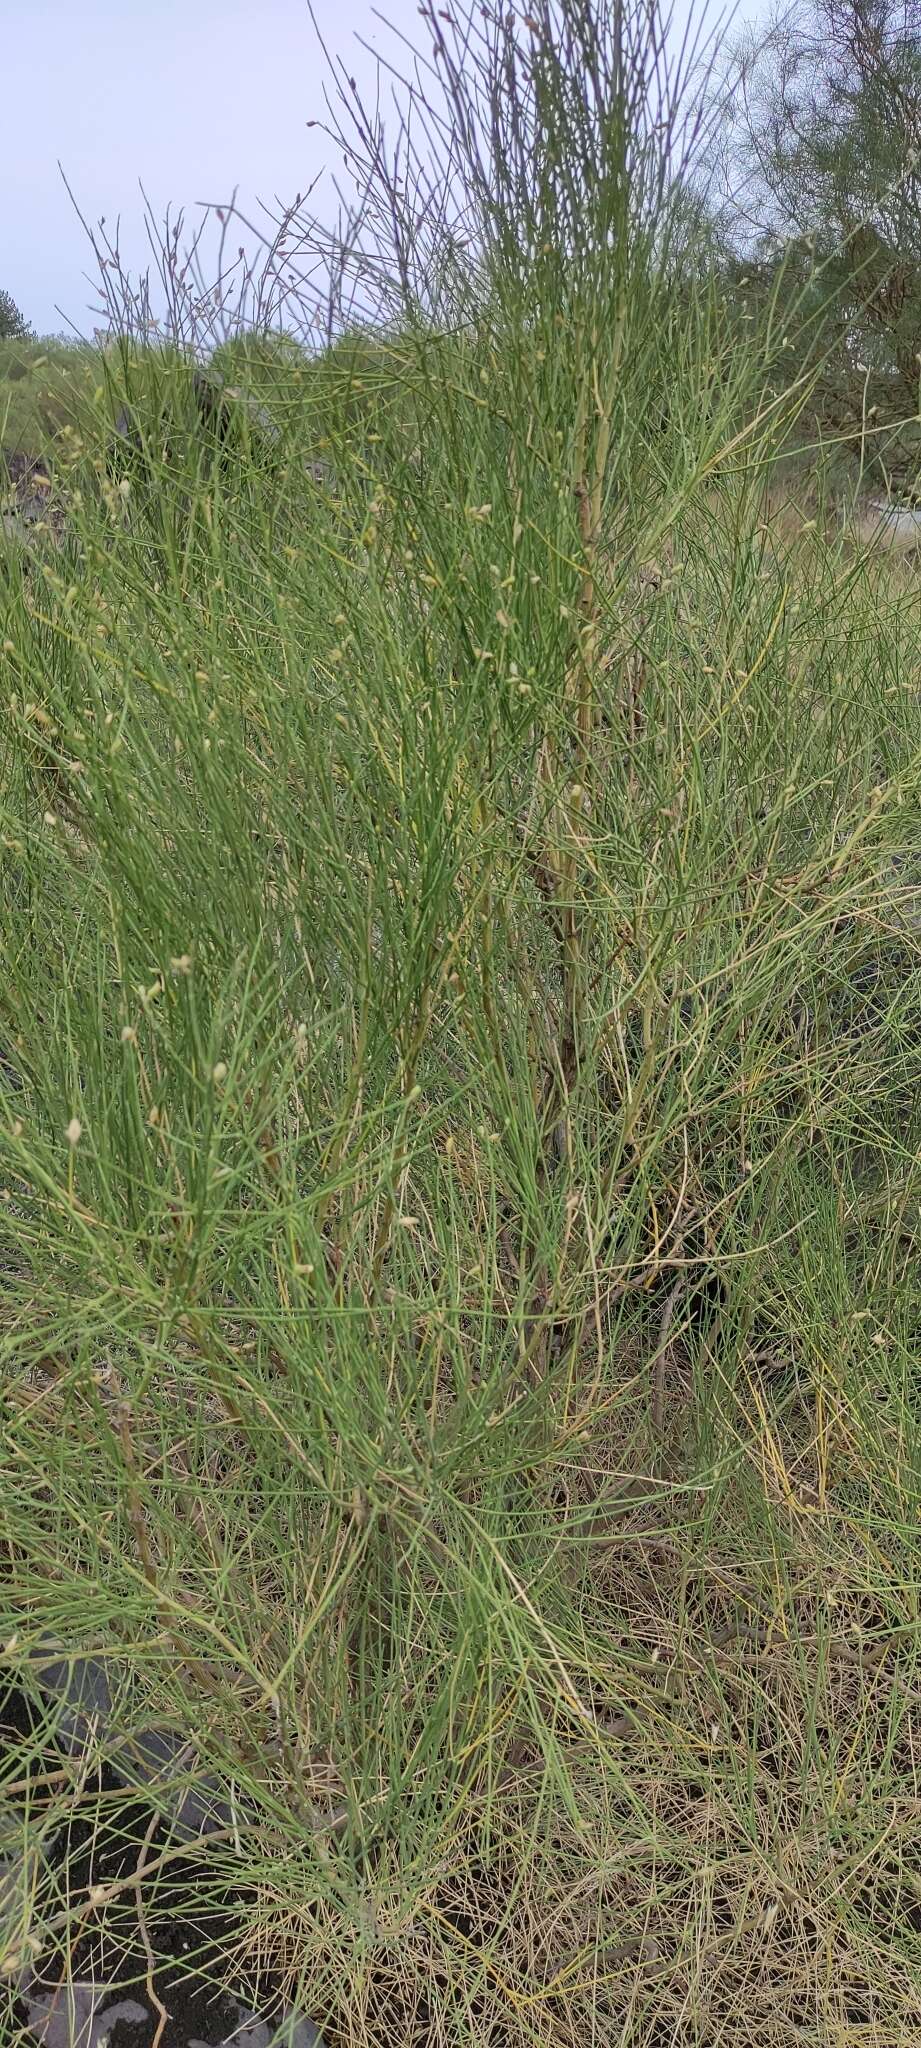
point(105, 2002)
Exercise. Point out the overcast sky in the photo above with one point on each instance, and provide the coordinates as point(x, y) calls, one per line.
point(192, 97)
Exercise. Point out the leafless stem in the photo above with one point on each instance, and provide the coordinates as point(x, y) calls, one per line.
point(663, 1352)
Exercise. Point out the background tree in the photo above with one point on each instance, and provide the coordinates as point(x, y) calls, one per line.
point(822, 159)
point(13, 326)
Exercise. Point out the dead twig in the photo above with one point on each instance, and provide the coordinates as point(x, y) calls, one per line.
point(137, 1882)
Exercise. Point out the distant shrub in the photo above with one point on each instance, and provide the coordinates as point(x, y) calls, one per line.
point(47, 387)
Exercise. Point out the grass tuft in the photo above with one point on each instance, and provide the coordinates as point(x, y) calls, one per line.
point(460, 1017)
